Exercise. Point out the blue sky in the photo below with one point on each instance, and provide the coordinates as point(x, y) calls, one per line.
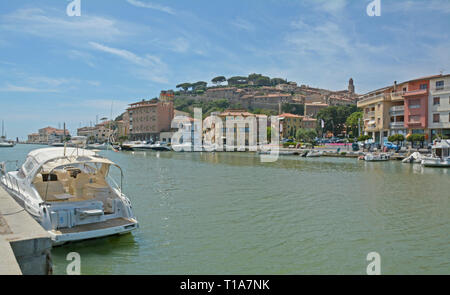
point(55, 68)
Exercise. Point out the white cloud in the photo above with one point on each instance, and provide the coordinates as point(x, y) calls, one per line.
point(334, 7)
point(243, 24)
point(151, 6)
point(180, 45)
point(42, 23)
point(15, 88)
point(418, 6)
point(83, 56)
point(147, 67)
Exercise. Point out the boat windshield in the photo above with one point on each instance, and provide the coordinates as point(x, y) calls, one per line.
point(29, 165)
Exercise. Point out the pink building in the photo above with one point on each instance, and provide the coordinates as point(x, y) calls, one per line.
point(148, 118)
point(416, 105)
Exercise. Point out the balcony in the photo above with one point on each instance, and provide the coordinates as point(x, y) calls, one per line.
point(397, 95)
point(415, 92)
point(440, 89)
point(397, 110)
point(396, 125)
point(372, 98)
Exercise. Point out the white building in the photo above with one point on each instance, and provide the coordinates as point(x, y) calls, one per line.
point(439, 106)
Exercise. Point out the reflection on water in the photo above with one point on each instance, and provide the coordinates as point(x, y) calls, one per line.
point(228, 213)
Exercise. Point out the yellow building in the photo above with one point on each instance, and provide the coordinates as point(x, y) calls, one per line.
point(289, 124)
point(376, 106)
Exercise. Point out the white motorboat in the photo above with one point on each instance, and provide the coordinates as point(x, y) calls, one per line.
point(98, 146)
point(160, 146)
point(70, 193)
point(415, 157)
point(440, 155)
point(131, 145)
point(377, 157)
point(6, 144)
point(183, 147)
point(141, 146)
point(314, 154)
point(56, 144)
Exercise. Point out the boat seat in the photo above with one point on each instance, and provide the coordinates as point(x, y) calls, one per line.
point(48, 190)
point(65, 179)
point(77, 185)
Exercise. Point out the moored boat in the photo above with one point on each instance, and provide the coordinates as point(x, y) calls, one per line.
point(98, 146)
point(68, 191)
point(440, 155)
point(314, 154)
point(3, 142)
point(160, 146)
point(6, 144)
point(377, 157)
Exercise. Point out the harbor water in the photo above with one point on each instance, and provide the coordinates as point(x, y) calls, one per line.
point(228, 213)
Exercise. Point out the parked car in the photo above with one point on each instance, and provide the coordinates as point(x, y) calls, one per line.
point(390, 145)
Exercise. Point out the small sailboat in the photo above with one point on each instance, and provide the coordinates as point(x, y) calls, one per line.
point(3, 142)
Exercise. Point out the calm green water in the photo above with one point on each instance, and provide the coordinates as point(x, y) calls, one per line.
point(227, 213)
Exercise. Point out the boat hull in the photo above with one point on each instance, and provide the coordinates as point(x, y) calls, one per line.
point(436, 164)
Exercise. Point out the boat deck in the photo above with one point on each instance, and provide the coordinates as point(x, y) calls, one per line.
point(95, 226)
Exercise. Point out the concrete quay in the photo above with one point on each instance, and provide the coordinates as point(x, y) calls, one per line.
point(24, 245)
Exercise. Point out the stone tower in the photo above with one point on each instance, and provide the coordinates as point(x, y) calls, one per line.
point(351, 86)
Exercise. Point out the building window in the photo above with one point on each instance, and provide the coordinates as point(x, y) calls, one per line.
point(414, 104)
point(414, 119)
point(436, 118)
point(436, 101)
point(423, 86)
point(439, 85)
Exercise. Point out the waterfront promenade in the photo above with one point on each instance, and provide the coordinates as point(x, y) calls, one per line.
point(24, 245)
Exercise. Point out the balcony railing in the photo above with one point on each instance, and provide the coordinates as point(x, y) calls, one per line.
point(366, 98)
point(416, 92)
point(397, 124)
point(440, 89)
point(397, 109)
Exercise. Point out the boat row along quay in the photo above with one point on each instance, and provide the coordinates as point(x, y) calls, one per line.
point(25, 246)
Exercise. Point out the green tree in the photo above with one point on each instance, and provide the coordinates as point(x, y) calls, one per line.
point(306, 135)
point(277, 81)
point(353, 121)
point(335, 117)
point(416, 138)
point(364, 138)
point(200, 85)
point(218, 80)
point(184, 86)
point(237, 80)
point(397, 138)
